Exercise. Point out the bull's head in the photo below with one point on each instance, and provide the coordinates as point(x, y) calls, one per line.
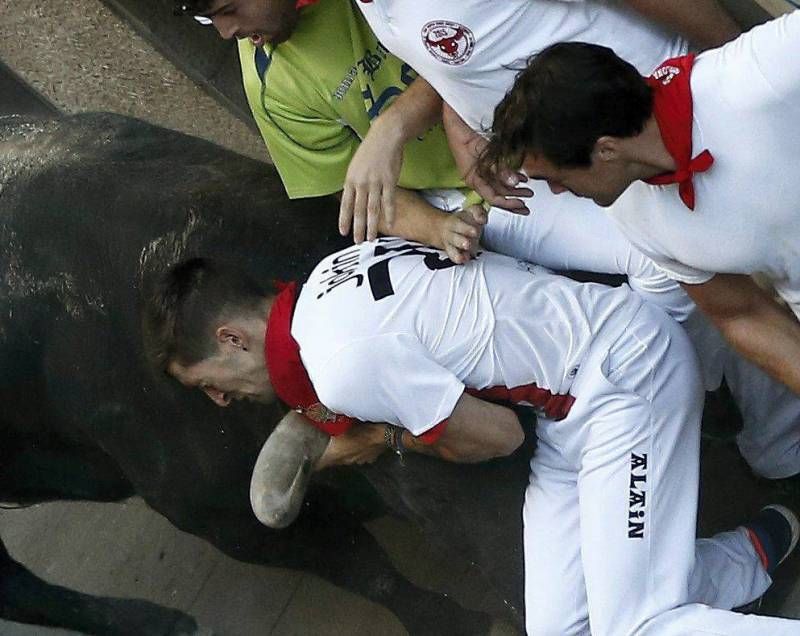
point(448, 45)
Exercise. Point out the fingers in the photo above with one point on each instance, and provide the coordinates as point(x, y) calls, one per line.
point(361, 209)
point(387, 200)
point(517, 206)
point(459, 257)
point(478, 214)
point(511, 178)
point(462, 235)
point(373, 212)
point(346, 210)
point(360, 215)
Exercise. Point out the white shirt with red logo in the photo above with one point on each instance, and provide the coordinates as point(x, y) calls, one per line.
point(747, 208)
point(471, 50)
point(393, 331)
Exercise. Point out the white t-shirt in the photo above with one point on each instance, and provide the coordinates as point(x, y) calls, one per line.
point(471, 50)
point(747, 210)
point(392, 331)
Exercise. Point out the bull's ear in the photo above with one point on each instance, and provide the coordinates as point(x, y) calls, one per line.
point(228, 336)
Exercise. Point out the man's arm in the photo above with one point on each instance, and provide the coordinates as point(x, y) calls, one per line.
point(757, 326)
point(704, 22)
point(476, 431)
point(456, 233)
point(369, 187)
point(503, 187)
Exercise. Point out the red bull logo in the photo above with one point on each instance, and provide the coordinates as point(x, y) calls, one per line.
point(448, 42)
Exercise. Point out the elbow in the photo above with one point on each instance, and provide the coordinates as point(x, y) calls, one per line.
point(511, 441)
point(507, 439)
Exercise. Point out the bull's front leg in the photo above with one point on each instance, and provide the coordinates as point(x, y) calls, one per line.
point(25, 598)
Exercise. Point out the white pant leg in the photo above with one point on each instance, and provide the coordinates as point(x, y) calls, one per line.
point(770, 436)
point(633, 438)
point(555, 593)
point(727, 572)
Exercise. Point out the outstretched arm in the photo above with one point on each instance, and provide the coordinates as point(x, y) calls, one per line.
point(757, 326)
point(704, 22)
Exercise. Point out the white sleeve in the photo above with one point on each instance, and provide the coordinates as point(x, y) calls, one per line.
point(683, 273)
point(566, 233)
point(762, 61)
point(388, 378)
point(655, 285)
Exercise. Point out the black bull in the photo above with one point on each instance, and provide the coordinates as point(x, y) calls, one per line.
point(91, 207)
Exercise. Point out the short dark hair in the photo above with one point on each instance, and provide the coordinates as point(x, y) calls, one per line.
point(191, 7)
point(186, 303)
point(569, 95)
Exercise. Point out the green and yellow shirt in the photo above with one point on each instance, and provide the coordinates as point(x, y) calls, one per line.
point(314, 96)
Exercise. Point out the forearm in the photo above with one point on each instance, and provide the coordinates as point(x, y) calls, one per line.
point(704, 22)
point(476, 431)
point(755, 325)
point(466, 451)
point(770, 339)
point(416, 110)
point(415, 219)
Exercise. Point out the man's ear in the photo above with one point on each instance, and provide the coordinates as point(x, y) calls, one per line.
point(606, 149)
point(231, 337)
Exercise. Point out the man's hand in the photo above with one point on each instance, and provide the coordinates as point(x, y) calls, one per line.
point(369, 185)
point(362, 444)
point(460, 233)
point(369, 189)
point(466, 146)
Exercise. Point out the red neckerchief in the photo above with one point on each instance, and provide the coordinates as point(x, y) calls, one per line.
point(287, 374)
point(290, 379)
point(672, 107)
point(304, 3)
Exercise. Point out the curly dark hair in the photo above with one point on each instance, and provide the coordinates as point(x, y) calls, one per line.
point(568, 96)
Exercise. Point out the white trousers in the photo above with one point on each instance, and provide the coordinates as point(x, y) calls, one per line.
point(610, 512)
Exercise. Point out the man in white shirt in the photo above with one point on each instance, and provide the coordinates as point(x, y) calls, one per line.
point(392, 331)
point(470, 52)
point(695, 164)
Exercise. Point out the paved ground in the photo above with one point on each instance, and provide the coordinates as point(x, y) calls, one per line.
point(81, 56)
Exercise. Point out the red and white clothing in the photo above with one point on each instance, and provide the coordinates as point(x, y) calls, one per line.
point(393, 331)
point(412, 319)
point(470, 51)
point(746, 101)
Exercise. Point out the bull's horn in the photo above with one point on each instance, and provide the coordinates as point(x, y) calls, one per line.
point(283, 470)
